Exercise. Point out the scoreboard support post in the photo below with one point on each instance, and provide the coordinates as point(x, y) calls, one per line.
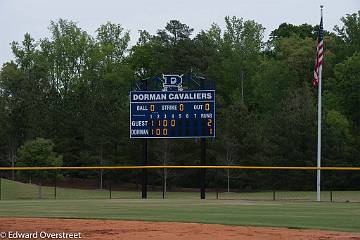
point(144, 171)
point(203, 158)
point(0, 186)
point(145, 163)
point(163, 183)
point(203, 170)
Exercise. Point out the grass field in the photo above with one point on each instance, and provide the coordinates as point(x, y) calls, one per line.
point(180, 206)
point(330, 216)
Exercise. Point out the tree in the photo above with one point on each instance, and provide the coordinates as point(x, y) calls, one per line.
point(103, 88)
point(292, 129)
point(207, 46)
point(113, 43)
point(163, 150)
point(298, 54)
point(240, 55)
point(4, 126)
point(15, 93)
point(177, 31)
point(67, 52)
point(286, 30)
point(349, 33)
point(38, 153)
point(337, 139)
point(227, 144)
point(271, 85)
point(347, 87)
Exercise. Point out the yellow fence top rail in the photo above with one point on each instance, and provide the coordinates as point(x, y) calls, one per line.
point(181, 167)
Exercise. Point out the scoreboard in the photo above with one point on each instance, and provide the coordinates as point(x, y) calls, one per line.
point(172, 114)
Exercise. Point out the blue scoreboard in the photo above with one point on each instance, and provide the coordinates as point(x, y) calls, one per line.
point(172, 114)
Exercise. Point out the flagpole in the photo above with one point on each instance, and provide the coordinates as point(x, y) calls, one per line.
point(318, 183)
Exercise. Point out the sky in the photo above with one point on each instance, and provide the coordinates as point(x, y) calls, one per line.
point(18, 17)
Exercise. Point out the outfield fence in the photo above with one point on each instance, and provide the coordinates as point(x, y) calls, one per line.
point(339, 184)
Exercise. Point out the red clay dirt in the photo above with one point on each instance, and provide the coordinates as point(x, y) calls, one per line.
point(138, 230)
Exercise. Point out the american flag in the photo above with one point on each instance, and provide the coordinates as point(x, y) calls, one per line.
point(319, 54)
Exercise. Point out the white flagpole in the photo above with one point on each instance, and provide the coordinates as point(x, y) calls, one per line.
point(318, 184)
point(318, 198)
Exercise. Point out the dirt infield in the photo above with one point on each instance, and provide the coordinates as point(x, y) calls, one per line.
point(131, 230)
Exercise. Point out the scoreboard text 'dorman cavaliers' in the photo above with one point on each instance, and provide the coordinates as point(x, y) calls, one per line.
point(172, 114)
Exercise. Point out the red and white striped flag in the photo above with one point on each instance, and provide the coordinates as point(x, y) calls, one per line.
point(319, 54)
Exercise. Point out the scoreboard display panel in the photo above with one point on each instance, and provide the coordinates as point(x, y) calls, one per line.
point(172, 114)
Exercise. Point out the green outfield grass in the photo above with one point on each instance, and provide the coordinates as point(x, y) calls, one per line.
point(182, 207)
point(330, 216)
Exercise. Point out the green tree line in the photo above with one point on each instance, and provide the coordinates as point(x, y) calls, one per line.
point(72, 88)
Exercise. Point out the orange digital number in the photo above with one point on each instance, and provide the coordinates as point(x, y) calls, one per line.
point(207, 106)
point(209, 123)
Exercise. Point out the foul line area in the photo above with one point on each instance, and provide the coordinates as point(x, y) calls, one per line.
point(182, 167)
